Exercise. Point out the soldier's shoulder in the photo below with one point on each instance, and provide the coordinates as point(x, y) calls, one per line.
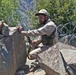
point(51, 23)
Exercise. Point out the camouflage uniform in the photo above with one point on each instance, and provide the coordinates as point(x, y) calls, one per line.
point(46, 31)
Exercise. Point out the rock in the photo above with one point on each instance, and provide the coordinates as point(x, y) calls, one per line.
point(1, 25)
point(12, 51)
point(51, 60)
point(69, 56)
point(68, 53)
point(5, 30)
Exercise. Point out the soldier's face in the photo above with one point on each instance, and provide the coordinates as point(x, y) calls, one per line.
point(42, 19)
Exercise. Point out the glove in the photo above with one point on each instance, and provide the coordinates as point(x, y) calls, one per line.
point(19, 29)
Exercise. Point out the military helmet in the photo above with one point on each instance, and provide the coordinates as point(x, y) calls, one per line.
point(42, 11)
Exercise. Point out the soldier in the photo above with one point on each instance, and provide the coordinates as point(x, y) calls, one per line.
point(47, 34)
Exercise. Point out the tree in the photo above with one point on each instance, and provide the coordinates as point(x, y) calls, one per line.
point(61, 11)
point(8, 11)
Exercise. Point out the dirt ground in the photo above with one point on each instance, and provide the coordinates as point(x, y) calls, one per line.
point(37, 71)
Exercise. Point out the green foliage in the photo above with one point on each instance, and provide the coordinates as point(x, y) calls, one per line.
point(61, 11)
point(8, 12)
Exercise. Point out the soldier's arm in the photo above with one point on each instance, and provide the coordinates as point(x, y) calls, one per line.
point(45, 30)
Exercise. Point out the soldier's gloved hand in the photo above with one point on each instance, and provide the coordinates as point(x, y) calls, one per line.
point(19, 28)
point(33, 42)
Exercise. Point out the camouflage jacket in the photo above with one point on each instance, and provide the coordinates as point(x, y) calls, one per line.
point(45, 30)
